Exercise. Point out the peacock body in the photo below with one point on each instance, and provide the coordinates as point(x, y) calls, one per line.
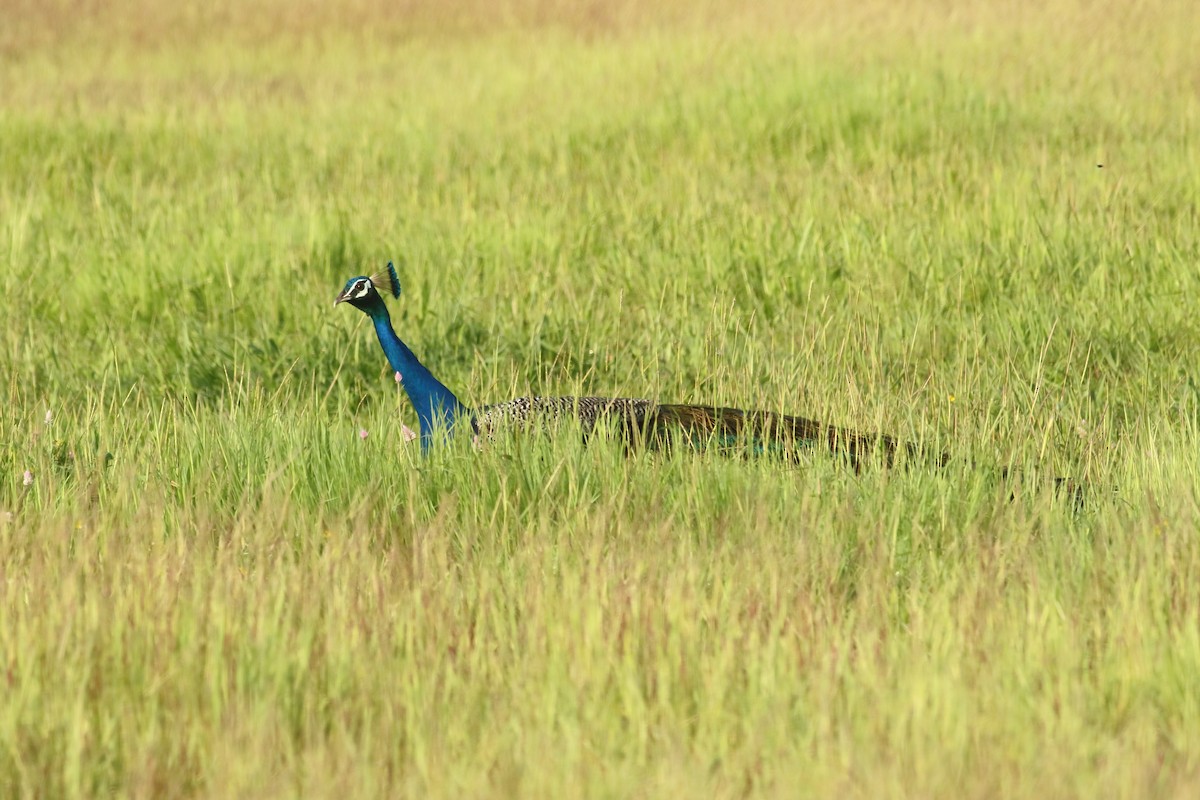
point(526, 413)
point(638, 421)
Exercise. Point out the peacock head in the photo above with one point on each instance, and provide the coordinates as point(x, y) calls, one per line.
point(366, 292)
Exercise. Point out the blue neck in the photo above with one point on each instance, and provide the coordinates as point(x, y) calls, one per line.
point(436, 406)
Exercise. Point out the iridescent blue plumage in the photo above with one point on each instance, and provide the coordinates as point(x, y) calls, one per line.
point(436, 406)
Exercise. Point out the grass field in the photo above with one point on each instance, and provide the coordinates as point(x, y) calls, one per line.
point(971, 225)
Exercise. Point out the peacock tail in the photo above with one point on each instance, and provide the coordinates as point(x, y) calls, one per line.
point(767, 433)
point(660, 426)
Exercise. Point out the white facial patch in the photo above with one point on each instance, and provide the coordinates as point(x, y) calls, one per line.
point(361, 289)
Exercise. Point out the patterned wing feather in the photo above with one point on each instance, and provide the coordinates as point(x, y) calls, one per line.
point(525, 413)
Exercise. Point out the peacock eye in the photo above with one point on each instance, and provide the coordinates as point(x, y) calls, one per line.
point(361, 289)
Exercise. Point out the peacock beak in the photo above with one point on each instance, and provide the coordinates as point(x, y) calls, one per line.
point(341, 298)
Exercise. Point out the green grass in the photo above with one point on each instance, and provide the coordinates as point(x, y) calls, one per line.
point(889, 217)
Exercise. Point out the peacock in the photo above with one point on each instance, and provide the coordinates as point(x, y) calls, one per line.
point(639, 422)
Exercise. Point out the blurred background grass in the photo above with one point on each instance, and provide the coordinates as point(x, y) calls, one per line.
point(971, 224)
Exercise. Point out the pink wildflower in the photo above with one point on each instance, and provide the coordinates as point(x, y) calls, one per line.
point(28, 478)
point(362, 433)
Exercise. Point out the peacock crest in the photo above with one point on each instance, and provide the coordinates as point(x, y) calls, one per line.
point(386, 282)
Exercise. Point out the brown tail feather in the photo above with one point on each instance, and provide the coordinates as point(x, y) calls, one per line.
point(792, 434)
point(767, 429)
